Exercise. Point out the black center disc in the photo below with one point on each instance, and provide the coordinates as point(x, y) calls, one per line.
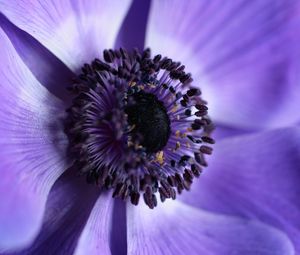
point(149, 117)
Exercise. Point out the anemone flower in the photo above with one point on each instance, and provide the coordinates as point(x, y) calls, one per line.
point(104, 127)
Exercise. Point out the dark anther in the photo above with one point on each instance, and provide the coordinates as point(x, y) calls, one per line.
point(196, 170)
point(157, 58)
point(193, 92)
point(183, 160)
point(175, 74)
point(201, 113)
point(134, 198)
point(186, 78)
point(196, 126)
point(146, 54)
point(166, 63)
point(201, 107)
point(188, 175)
point(178, 95)
point(172, 90)
point(108, 56)
point(200, 159)
point(188, 112)
point(206, 149)
point(183, 103)
point(190, 137)
point(186, 98)
point(171, 181)
point(208, 139)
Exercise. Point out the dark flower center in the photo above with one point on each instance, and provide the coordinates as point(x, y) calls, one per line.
point(150, 119)
point(137, 126)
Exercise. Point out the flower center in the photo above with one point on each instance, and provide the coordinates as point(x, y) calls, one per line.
point(150, 119)
point(137, 126)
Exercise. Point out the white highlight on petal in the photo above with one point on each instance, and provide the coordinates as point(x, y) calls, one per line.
point(175, 228)
point(33, 149)
point(242, 55)
point(95, 236)
point(75, 31)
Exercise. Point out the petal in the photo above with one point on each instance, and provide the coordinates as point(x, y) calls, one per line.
point(95, 238)
point(241, 53)
point(132, 32)
point(69, 204)
point(75, 31)
point(256, 176)
point(118, 238)
point(33, 148)
point(45, 66)
point(223, 131)
point(175, 228)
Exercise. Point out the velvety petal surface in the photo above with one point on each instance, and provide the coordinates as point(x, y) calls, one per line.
point(95, 238)
point(133, 29)
point(68, 207)
point(222, 131)
point(243, 54)
point(51, 72)
point(255, 176)
point(33, 148)
point(75, 31)
point(118, 238)
point(175, 228)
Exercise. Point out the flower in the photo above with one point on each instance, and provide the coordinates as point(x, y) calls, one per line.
point(244, 203)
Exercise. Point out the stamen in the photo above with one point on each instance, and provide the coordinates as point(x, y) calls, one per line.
point(137, 126)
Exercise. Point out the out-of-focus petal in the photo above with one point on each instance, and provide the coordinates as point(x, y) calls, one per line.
point(241, 53)
point(175, 228)
point(95, 238)
point(133, 29)
point(33, 148)
point(254, 176)
point(68, 207)
point(75, 31)
point(223, 131)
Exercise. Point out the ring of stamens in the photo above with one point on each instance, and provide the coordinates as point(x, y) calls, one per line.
point(137, 126)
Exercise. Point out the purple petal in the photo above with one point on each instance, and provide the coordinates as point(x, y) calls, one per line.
point(256, 176)
point(75, 31)
point(46, 67)
point(175, 228)
point(243, 54)
point(118, 238)
point(223, 131)
point(95, 238)
point(33, 149)
point(69, 204)
point(132, 32)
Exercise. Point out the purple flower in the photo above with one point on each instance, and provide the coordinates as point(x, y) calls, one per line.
point(135, 124)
